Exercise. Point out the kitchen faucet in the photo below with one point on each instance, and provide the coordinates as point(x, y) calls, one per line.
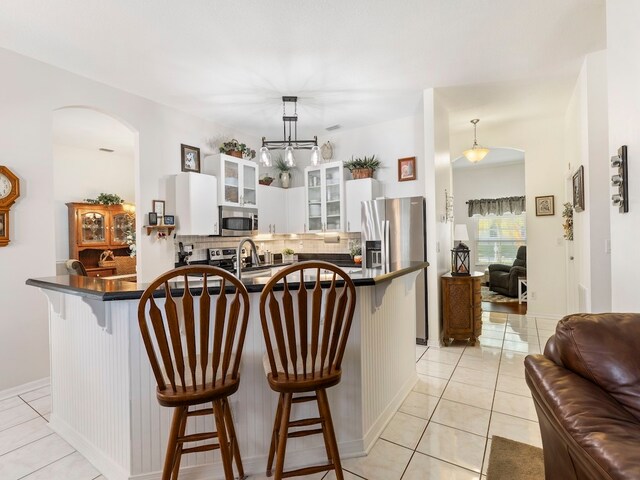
point(254, 253)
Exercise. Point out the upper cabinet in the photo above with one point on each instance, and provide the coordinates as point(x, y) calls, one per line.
point(238, 179)
point(356, 192)
point(197, 204)
point(325, 197)
point(272, 201)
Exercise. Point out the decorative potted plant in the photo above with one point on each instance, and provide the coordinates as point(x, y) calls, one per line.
point(284, 171)
point(362, 167)
point(105, 199)
point(567, 213)
point(236, 149)
point(287, 255)
point(266, 180)
point(356, 252)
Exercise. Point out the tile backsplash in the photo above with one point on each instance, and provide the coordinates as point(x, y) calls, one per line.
point(275, 243)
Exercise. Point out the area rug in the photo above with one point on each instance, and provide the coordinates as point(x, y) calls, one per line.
point(493, 297)
point(511, 460)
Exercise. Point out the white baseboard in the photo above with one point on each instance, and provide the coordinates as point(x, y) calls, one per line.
point(24, 388)
point(550, 316)
point(434, 343)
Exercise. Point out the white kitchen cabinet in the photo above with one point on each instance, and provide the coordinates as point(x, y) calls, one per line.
point(295, 198)
point(271, 205)
point(356, 192)
point(325, 197)
point(197, 204)
point(238, 178)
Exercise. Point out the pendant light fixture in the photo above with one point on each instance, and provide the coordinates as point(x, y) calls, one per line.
point(475, 153)
point(290, 141)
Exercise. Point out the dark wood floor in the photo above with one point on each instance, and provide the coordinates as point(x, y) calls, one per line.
point(506, 307)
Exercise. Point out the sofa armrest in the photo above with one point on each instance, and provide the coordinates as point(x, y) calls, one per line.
point(518, 272)
point(601, 436)
point(497, 267)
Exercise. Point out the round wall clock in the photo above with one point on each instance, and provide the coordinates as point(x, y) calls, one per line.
point(9, 192)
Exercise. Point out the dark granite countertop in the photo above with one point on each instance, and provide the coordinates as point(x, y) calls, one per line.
point(116, 289)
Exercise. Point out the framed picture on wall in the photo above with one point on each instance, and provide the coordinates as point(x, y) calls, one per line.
point(153, 218)
point(190, 157)
point(578, 190)
point(406, 169)
point(169, 220)
point(158, 208)
point(545, 206)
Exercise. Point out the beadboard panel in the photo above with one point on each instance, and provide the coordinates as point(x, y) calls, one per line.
point(90, 376)
point(388, 351)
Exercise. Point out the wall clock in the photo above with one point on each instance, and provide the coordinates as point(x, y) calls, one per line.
point(9, 192)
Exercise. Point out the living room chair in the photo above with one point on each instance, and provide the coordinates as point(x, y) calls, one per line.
point(75, 267)
point(503, 279)
point(196, 361)
point(305, 334)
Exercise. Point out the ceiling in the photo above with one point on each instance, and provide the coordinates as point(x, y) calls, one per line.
point(351, 63)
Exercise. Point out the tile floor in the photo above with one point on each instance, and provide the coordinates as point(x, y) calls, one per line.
point(443, 429)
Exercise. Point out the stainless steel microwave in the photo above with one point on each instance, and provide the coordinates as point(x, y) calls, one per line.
point(238, 221)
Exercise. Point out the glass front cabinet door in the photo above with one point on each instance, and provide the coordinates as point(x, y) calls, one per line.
point(325, 197)
point(239, 181)
point(93, 227)
point(120, 225)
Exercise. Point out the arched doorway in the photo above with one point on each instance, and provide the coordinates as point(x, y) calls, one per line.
point(93, 154)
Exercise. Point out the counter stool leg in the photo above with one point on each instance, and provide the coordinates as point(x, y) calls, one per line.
point(324, 430)
point(333, 446)
point(180, 446)
point(282, 434)
point(274, 436)
point(222, 440)
point(170, 456)
point(233, 439)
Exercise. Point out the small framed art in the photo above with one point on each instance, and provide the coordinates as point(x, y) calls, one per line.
point(406, 169)
point(169, 220)
point(153, 218)
point(158, 208)
point(578, 190)
point(190, 158)
point(545, 206)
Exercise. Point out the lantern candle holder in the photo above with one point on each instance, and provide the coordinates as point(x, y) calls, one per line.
point(460, 261)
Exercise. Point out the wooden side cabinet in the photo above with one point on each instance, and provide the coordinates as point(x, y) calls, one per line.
point(461, 307)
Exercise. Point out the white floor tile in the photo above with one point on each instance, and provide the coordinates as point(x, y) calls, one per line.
point(511, 384)
point(454, 446)
point(23, 434)
point(523, 347)
point(404, 430)
point(527, 336)
point(515, 428)
point(491, 333)
point(419, 405)
point(433, 386)
point(481, 351)
point(16, 415)
point(515, 405)
point(315, 476)
point(31, 457)
point(489, 342)
point(35, 394)
point(434, 369)
point(420, 351)
point(42, 405)
point(386, 461)
point(546, 324)
point(423, 467)
point(487, 451)
point(479, 363)
point(332, 476)
point(469, 395)
point(463, 417)
point(10, 403)
point(71, 467)
point(442, 355)
point(484, 379)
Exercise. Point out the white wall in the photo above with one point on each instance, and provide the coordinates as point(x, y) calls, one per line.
point(541, 138)
point(586, 144)
point(81, 173)
point(30, 91)
point(388, 141)
point(623, 77)
point(477, 182)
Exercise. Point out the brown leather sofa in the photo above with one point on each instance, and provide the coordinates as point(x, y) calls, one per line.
point(586, 390)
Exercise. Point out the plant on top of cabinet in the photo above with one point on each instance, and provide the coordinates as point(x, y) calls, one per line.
point(236, 149)
point(266, 180)
point(105, 199)
point(362, 167)
point(284, 171)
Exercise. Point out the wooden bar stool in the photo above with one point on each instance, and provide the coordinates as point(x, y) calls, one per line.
point(305, 335)
point(196, 362)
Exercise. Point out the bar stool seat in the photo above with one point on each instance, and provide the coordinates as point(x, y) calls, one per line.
point(196, 361)
point(305, 332)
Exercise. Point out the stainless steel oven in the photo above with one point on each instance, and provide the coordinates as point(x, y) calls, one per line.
point(238, 221)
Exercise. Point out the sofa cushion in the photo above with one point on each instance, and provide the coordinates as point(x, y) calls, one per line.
point(605, 349)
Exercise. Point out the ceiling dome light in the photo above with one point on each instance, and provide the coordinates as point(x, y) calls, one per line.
point(475, 153)
point(265, 157)
point(315, 155)
point(288, 156)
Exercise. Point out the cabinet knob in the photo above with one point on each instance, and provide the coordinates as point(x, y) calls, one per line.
point(348, 226)
point(269, 228)
point(274, 228)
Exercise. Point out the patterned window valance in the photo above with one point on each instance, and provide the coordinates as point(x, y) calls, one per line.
point(497, 206)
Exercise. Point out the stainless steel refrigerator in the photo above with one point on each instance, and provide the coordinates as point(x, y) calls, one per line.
point(394, 230)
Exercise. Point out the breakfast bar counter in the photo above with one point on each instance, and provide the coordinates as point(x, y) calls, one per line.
point(103, 389)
